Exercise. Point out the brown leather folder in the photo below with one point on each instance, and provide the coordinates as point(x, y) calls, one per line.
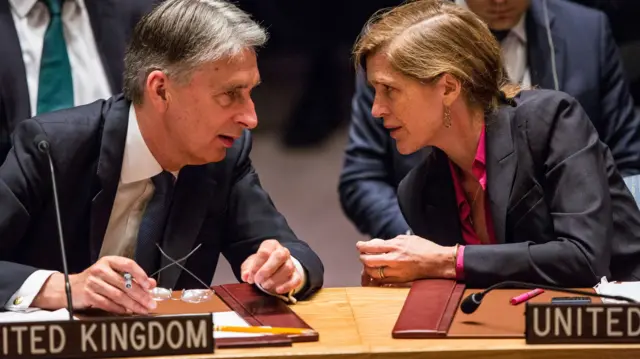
point(496, 317)
point(216, 305)
point(258, 308)
point(255, 307)
point(432, 310)
point(428, 309)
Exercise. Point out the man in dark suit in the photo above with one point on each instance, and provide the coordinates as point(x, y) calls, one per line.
point(166, 164)
point(59, 54)
point(589, 70)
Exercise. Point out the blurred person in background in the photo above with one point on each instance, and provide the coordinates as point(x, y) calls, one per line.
point(623, 16)
point(547, 44)
point(57, 54)
point(320, 34)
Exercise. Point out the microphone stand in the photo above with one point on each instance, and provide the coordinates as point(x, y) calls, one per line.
point(43, 146)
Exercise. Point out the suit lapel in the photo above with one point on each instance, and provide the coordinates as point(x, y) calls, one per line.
point(109, 42)
point(192, 198)
point(539, 50)
point(114, 134)
point(501, 167)
point(14, 92)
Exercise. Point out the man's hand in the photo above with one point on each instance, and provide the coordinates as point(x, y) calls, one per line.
point(272, 268)
point(405, 259)
point(101, 286)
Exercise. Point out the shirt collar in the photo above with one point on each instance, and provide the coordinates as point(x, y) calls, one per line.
point(137, 163)
point(479, 161)
point(23, 7)
point(519, 29)
point(481, 150)
point(478, 168)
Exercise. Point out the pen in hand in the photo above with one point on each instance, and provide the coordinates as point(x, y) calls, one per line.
point(127, 280)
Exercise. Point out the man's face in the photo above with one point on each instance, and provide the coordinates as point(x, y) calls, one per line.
point(499, 14)
point(206, 114)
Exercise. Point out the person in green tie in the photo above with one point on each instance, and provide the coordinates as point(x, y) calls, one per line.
point(58, 54)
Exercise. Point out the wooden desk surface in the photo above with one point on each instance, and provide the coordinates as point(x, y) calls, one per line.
point(357, 323)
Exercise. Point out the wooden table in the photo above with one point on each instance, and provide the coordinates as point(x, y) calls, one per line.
point(357, 323)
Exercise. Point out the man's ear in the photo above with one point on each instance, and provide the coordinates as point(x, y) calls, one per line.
point(156, 87)
point(452, 88)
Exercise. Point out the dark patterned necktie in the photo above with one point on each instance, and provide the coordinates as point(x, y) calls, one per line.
point(153, 222)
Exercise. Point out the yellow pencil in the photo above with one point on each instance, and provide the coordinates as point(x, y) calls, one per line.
point(273, 330)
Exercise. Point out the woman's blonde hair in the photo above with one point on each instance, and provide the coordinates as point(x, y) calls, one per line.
point(424, 39)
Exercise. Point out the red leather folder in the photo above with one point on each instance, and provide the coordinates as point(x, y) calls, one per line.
point(259, 309)
point(429, 309)
point(254, 306)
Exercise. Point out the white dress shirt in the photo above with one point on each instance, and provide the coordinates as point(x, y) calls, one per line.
point(135, 190)
point(31, 18)
point(514, 51)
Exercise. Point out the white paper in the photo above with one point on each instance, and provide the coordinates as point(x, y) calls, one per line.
point(36, 315)
point(626, 289)
point(231, 319)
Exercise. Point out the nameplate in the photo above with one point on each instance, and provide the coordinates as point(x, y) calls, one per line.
point(108, 337)
point(582, 323)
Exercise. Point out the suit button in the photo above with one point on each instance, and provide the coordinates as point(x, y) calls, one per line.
point(17, 301)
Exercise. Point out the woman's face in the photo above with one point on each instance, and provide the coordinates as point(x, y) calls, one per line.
point(412, 111)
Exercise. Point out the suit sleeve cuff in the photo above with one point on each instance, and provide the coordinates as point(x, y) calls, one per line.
point(460, 263)
point(21, 300)
point(289, 298)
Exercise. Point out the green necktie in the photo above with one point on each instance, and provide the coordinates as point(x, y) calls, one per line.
point(55, 85)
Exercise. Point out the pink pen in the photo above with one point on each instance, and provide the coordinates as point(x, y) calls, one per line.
point(526, 296)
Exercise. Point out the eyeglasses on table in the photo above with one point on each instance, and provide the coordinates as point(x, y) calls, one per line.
point(188, 295)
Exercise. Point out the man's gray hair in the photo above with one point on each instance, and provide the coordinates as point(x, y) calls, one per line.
point(179, 35)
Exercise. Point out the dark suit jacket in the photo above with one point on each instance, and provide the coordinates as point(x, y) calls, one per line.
point(589, 69)
point(112, 22)
point(561, 211)
point(220, 205)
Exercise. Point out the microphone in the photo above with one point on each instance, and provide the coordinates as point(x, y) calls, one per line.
point(43, 146)
point(473, 301)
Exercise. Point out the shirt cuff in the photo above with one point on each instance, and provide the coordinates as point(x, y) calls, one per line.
point(290, 296)
point(460, 263)
point(22, 299)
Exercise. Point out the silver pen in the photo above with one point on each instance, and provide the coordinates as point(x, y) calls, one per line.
point(127, 280)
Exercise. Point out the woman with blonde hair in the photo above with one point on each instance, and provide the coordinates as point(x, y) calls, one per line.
point(516, 184)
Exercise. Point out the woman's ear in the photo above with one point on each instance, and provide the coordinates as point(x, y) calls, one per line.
point(452, 88)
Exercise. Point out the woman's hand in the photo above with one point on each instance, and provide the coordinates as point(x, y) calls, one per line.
point(367, 281)
point(405, 259)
